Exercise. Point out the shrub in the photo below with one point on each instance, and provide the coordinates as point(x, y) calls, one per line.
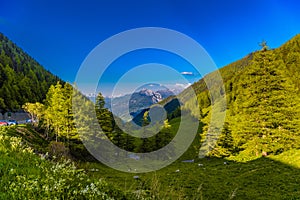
point(24, 175)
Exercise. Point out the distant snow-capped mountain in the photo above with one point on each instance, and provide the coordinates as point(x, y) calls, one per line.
point(128, 106)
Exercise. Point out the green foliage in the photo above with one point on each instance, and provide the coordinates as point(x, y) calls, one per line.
point(56, 115)
point(265, 113)
point(22, 79)
point(36, 111)
point(24, 175)
point(104, 116)
point(262, 117)
point(263, 110)
point(29, 136)
point(225, 146)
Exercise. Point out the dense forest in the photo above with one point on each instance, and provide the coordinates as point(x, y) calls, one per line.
point(22, 79)
point(262, 92)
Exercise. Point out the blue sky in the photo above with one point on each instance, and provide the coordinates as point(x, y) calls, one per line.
point(60, 34)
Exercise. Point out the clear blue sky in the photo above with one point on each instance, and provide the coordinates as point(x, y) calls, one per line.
point(60, 34)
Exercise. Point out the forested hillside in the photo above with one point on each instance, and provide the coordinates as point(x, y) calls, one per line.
point(262, 92)
point(22, 79)
point(263, 102)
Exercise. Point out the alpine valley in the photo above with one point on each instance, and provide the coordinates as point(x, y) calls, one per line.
point(255, 156)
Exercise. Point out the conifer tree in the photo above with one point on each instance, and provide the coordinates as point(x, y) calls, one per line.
point(265, 109)
point(105, 117)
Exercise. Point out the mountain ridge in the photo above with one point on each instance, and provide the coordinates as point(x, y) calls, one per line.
point(133, 104)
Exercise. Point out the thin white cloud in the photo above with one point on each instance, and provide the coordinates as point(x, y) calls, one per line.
point(181, 85)
point(187, 73)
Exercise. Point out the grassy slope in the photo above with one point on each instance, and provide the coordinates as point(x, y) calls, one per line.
point(25, 175)
point(273, 177)
point(263, 178)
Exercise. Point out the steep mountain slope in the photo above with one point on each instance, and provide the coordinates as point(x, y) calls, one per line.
point(22, 79)
point(263, 102)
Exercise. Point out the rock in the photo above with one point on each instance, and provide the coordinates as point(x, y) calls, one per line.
point(188, 161)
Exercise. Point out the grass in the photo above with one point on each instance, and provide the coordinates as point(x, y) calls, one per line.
point(263, 178)
point(31, 137)
point(24, 175)
point(272, 177)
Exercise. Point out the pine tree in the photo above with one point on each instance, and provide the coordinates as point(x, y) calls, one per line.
point(69, 130)
point(265, 109)
point(104, 117)
point(225, 145)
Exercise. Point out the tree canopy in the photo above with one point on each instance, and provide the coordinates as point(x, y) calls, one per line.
point(22, 79)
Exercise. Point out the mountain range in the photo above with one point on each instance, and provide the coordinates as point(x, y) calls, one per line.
point(129, 106)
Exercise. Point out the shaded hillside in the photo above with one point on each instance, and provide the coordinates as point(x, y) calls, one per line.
point(263, 102)
point(22, 79)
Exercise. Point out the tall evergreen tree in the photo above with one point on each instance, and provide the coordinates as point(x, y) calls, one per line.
point(104, 116)
point(265, 109)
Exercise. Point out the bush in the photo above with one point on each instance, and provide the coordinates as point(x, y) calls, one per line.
point(24, 175)
point(58, 150)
